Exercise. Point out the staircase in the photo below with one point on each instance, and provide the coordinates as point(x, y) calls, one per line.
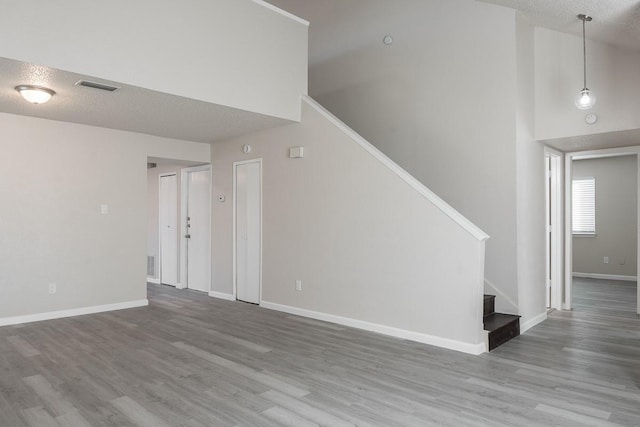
point(501, 327)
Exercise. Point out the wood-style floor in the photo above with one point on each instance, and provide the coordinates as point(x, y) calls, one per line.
point(191, 360)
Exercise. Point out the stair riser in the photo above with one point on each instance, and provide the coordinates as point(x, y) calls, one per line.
point(489, 306)
point(504, 334)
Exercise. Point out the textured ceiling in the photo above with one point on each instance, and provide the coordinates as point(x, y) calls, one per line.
point(129, 108)
point(614, 21)
point(596, 141)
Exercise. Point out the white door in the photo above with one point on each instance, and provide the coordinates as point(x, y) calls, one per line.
point(248, 230)
point(549, 246)
point(198, 230)
point(168, 220)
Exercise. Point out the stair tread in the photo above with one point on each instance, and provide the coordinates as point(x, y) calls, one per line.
point(495, 321)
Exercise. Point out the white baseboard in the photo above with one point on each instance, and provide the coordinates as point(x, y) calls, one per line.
point(154, 281)
point(72, 312)
point(530, 323)
point(179, 286)
point(450, 344)
point(221, 295)
point(606, 276)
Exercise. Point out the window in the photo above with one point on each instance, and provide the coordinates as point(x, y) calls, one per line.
point(583, 205)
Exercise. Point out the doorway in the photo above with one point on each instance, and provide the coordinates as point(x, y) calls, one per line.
point(247, 195)
point(168, 228)
point(554, 224)
point(609, 258)
point(196, 228)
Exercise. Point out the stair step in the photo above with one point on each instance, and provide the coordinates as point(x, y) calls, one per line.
point(501, 328)
point(489, 304)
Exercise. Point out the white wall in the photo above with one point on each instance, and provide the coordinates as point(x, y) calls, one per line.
point(440, 101)
point(365, 244)
point(612, 73)
point(55, 177)
point(616, 217)
point(530, 190)
point(230, 52)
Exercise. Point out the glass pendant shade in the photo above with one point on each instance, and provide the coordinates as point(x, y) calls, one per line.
point(585, 99)
point(35, 94)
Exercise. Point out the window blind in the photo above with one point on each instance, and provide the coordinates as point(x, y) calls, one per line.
point(583, 204)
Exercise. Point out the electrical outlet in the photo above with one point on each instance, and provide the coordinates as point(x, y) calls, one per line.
point(606, 260)
point(52, 288)
point(298, 285)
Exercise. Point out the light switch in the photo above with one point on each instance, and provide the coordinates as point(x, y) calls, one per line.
point(104, 209)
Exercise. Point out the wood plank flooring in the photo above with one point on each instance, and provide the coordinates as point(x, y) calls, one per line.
point(191, 360)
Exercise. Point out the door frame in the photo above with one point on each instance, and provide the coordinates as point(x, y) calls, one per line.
point(184, 203)
point(568, 172)
point(235, 230)
point(160, 176)
point(556, 233)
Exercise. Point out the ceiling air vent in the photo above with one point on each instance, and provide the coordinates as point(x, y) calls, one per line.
point(94, 85)
point(151, 165)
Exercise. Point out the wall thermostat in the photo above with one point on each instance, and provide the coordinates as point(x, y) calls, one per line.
point(591, 118)
point(296, 152)
point(246, 149)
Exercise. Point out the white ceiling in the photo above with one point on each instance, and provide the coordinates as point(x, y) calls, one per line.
point(145, 111)
point(623, 138)
point(129, 108)
point(615, 22)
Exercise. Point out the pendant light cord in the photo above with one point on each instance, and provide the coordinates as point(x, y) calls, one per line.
point(584, 50)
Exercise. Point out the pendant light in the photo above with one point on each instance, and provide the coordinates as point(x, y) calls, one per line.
point(585, 99)
point(35, 94)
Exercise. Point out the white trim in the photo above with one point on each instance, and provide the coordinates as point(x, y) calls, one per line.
point(552, 151)
point(282, 12)
point(221, 295)
point(456, 216)
point(72, 312)
point(568, 232)
point(607, 152)
point(606, 276)
point(184, 200)
point(557, 232)
point(235, 234)
point(524, 327)
point(502, 294)
point(179, 286)
point(568, 247)
point(153, 280)
point(450, 344)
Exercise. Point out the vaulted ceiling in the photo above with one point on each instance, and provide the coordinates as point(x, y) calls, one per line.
point(615, 22)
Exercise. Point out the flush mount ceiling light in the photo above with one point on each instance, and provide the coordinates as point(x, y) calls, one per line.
point(585, 99)
point(35, 94)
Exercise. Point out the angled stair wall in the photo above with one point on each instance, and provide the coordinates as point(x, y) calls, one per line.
point(374, 248)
